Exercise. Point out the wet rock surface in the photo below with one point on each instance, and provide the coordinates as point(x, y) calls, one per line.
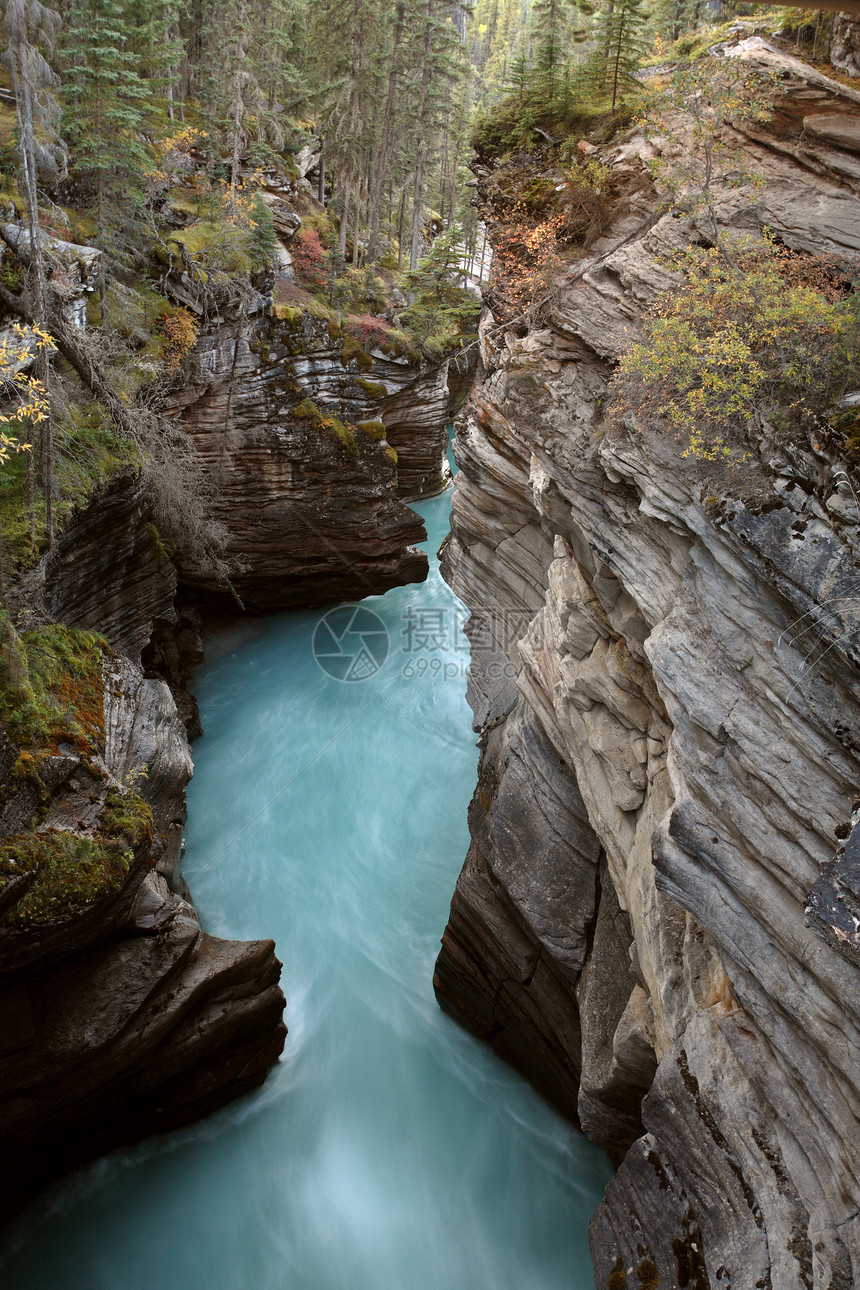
point(668, 690)
point(124, 1018)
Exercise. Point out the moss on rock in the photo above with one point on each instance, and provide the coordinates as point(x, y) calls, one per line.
point(353, 351)
point(374, 430)
point(71, 871)
point(373, 389)
point(307, 410)
point(51, 688)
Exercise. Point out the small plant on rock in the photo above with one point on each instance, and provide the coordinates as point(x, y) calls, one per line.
point(757, 343)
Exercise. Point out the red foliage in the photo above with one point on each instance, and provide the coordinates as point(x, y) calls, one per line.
point(370, 332)
point(309, 257)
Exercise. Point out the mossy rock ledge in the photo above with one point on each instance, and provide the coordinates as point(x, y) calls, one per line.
point(119, 1016)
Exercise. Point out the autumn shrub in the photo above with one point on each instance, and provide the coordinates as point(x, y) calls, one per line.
point(525, 257)
point(585, 203)
point(309, 257)
point(756, 342)
point(369, 331)
point(178, 330)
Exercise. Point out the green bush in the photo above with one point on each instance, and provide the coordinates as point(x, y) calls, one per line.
point(755, 337)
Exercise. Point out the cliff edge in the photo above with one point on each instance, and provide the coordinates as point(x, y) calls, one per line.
point(652, 922)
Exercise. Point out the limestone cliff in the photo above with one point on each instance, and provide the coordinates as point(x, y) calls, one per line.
point(308, 443)
point(120, 1016)
point(667, 695)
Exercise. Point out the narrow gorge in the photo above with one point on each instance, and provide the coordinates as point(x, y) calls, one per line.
point(193, 1021)
point(301, 475)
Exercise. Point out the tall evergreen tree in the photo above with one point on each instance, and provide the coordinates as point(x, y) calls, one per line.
point(351, 71)
point(552, 38)
point(106, 97)
point(437, 62)
point(621, 44)
point(154, 41)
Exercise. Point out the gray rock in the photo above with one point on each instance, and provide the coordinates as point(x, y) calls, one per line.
point(693, 673)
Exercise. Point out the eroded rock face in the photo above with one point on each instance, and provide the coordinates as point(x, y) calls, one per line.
point(668, 698)
point(105, 572)
point(311, 509)
point(125, 1018)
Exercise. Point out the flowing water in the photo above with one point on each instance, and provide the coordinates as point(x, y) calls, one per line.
point(388, 1150)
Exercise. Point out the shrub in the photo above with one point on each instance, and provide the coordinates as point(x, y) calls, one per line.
point(309, 258)
point(757, 338)
point(179, 331)
point(370, 332)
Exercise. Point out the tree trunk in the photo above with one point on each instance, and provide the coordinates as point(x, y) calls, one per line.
point(356, 226)
point(422, 108)
point(47, 460)
point(344, 219)
point(382, 158)
point(417, 207)
point(453, 196)
point(26, 132)
point(400, 228)
point(618, 47)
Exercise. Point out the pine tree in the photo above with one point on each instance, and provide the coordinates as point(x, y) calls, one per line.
point(621, 44)
point(106, 98)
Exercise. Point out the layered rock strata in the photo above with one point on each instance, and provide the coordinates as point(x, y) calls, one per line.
point(307, 445)
point(106, 571)
point(668, 695)
point(120, 1018)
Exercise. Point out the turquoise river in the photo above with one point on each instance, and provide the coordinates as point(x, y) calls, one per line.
point(388, 1150)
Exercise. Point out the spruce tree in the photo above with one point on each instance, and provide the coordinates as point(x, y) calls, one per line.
point(106, 98)
point(621, 44)
point(551, 27)
point(155, 43)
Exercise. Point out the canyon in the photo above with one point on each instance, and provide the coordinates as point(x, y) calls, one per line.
point(123, 1018)
point(657, 919)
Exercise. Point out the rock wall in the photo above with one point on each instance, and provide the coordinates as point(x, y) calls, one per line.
point(123, 1018)
point(667, 695)
point(311, 509)
point(105, 571)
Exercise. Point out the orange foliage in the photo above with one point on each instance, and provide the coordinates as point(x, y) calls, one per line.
point(178, 335)
point(525, 255)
